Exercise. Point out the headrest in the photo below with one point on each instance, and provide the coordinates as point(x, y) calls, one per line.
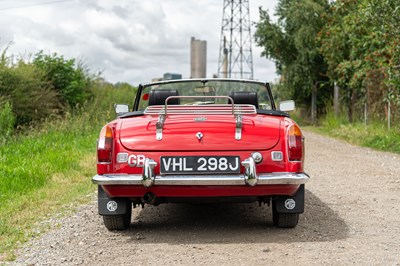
point(244, 97)
point(158, 97)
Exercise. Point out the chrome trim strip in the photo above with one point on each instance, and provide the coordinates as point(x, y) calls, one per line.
point(159, 126)
point(205, 180)
point(238, 131)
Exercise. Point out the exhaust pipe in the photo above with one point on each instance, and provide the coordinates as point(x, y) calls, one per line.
point(149, 198)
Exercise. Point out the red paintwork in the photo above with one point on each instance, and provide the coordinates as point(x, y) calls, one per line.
point(213, 147)
point(179, 133)
point(262, 133)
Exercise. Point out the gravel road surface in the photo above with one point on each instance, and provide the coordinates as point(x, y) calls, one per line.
point(352, 217)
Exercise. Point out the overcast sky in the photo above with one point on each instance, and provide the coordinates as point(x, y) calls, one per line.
point(128, 40)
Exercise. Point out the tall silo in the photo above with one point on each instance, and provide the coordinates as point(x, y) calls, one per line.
point(198, 58)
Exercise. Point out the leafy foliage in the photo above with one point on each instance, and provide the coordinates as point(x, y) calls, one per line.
point(32, 98)
point(360, 44)
point(48, 87)
point(351, 43)
point(291, 43)
point(72, 83)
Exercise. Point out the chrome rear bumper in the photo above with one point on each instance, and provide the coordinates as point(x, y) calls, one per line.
point(204, 180)
point(250, 177)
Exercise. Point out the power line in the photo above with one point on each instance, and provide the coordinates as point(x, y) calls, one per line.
point(33, 5)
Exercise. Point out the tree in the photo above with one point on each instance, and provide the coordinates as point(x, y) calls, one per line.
point(292, 43)
point(360, 44)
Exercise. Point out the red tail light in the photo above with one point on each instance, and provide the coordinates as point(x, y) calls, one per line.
point(295, 143)
point(104, 145)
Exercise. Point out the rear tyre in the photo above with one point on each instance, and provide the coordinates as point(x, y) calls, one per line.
point(119, 221)
point(284, 220)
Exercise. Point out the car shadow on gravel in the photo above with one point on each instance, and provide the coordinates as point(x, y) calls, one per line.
point(232, 223)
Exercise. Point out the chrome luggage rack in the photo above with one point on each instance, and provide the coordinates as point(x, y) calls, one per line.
point(236, 110)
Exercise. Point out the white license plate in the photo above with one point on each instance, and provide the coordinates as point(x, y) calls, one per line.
point(199, 164)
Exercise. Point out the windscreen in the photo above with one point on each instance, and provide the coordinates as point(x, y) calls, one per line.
point(241, 92)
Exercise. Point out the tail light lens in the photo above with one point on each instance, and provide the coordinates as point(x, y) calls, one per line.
point(104, 145)
point(295, 143)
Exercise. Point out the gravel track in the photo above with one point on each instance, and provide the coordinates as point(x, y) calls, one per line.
point(352, 217)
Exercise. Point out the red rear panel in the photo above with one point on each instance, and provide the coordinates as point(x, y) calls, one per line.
point(179, 133)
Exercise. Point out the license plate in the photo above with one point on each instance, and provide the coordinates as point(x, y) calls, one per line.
point(199, 164)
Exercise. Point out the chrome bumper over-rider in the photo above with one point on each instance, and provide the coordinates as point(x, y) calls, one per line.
point(250, 177)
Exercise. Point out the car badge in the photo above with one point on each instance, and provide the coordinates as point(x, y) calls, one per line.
point(112, 206)
point(200, 119)
point(290, 204)
point(199, 135)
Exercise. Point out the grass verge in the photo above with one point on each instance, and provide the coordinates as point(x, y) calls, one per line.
point(375, 135)
point(49, 169)
point(39, 175)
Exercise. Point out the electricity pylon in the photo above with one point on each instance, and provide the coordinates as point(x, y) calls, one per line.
point(235, 54)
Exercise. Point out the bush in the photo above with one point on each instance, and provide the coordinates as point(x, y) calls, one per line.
point(50, 86)
point(7, 121)
point(70, 81)
point(32, 98)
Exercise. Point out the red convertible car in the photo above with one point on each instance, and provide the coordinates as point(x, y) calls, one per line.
point(201, 141)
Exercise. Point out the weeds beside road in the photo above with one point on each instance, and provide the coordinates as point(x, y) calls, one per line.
point(48, 168)
point(375, 134)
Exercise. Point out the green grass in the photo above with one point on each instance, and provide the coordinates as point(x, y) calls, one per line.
point(375, 135)
point(48, 169)
point(38, 175)
point(29, 163)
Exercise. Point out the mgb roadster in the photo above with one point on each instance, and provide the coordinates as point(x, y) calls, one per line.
point(201, 141)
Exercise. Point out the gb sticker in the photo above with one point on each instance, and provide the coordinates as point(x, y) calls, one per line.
point(136, 160)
